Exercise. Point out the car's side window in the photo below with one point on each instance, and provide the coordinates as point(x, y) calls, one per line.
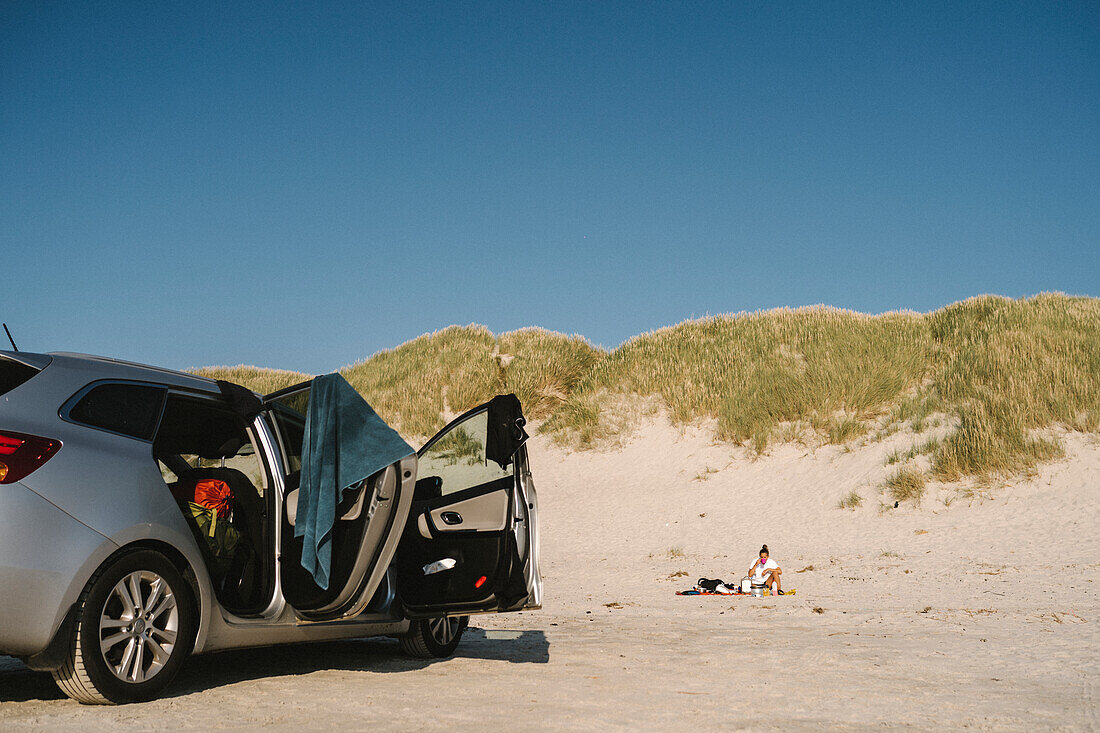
point(128, 409)
point(13, 374)
point(458, 457)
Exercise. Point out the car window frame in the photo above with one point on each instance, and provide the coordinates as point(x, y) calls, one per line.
point(272, 407)
point(263, 460)
point(7, 361)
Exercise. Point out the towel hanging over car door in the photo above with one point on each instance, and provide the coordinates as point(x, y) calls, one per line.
point(344, 442)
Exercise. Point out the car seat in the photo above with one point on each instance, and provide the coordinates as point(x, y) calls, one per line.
point(239, 585)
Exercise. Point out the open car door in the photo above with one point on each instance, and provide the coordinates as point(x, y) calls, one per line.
point(369, 520)
point(471, 540)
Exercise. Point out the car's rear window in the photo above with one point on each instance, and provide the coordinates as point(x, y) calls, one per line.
point(13, 374)
point(129, 409)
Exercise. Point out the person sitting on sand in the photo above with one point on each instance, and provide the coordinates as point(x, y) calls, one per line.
point(767, 571)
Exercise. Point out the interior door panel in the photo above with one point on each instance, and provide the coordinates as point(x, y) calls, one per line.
point(459, 554)
point(484, 513)
point(352, 535)
point(478, 551)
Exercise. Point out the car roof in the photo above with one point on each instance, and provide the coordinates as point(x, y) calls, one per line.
point(102, 367)
point(37, 361)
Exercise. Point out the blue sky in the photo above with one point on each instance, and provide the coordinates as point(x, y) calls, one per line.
point(299, 185)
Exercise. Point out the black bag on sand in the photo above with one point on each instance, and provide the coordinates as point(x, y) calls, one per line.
point(709, 584)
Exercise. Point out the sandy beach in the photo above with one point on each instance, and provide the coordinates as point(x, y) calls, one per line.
point(978, 608)
point(823, 277)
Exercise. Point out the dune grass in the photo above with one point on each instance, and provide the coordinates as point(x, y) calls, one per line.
point(750, 372)
point(1002, 372)
point(851, 500)
point(906, 484)
point(543, 368)
point(1008, 368)
point(424, 382)
point(1002, 368)
point(421, 383)
point(924, 448)
point(257, 379)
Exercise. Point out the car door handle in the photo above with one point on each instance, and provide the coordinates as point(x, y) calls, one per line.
point(451, 518)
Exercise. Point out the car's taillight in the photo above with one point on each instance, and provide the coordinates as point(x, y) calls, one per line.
point(22, 454)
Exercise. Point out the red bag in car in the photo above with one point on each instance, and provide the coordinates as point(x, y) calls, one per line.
point(214, 494)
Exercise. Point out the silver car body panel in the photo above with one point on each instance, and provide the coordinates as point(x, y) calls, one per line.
point(110, 483)
point(41, 573)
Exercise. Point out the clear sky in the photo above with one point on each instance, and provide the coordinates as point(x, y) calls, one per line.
point(299, 185)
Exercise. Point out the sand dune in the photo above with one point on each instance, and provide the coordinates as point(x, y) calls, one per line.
point(977, 610)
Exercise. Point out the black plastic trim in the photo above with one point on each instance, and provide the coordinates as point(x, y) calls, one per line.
point(53, 656)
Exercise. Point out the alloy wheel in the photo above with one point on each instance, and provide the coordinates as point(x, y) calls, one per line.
point(138, 626)
point(444, 629)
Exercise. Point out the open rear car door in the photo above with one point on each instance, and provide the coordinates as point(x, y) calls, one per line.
point(471, 541)
point(369, 520)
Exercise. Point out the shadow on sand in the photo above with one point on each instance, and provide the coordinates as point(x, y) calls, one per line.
point(19, 684)
point(380, 655)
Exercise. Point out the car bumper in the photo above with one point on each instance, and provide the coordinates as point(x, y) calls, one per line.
point(43, 552)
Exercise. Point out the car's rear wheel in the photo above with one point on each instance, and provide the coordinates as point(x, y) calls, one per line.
point(434, 637)
point(135, 626)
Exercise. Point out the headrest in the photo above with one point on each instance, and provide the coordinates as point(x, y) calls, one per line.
point(228, 449)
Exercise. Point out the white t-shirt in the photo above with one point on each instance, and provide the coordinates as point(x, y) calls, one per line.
point(758, 570)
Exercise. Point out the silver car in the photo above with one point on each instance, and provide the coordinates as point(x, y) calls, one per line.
point(110, 577)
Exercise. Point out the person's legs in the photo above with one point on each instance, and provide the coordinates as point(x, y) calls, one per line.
point(772, 581)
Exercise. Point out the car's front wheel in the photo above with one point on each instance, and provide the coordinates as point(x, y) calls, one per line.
point(434, 637)
point(135, 626)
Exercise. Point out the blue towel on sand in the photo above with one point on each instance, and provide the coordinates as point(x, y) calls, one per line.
point(345, 442)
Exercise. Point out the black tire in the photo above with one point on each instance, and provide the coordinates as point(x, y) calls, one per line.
point(433, 638)
point(94, 674)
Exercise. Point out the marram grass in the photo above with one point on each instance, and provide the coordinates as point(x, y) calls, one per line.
point(906, 484)
point(258, 379)
point(1003, 371)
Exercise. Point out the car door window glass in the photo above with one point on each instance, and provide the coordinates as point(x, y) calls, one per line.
point(458, 457)
point(13, 374)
